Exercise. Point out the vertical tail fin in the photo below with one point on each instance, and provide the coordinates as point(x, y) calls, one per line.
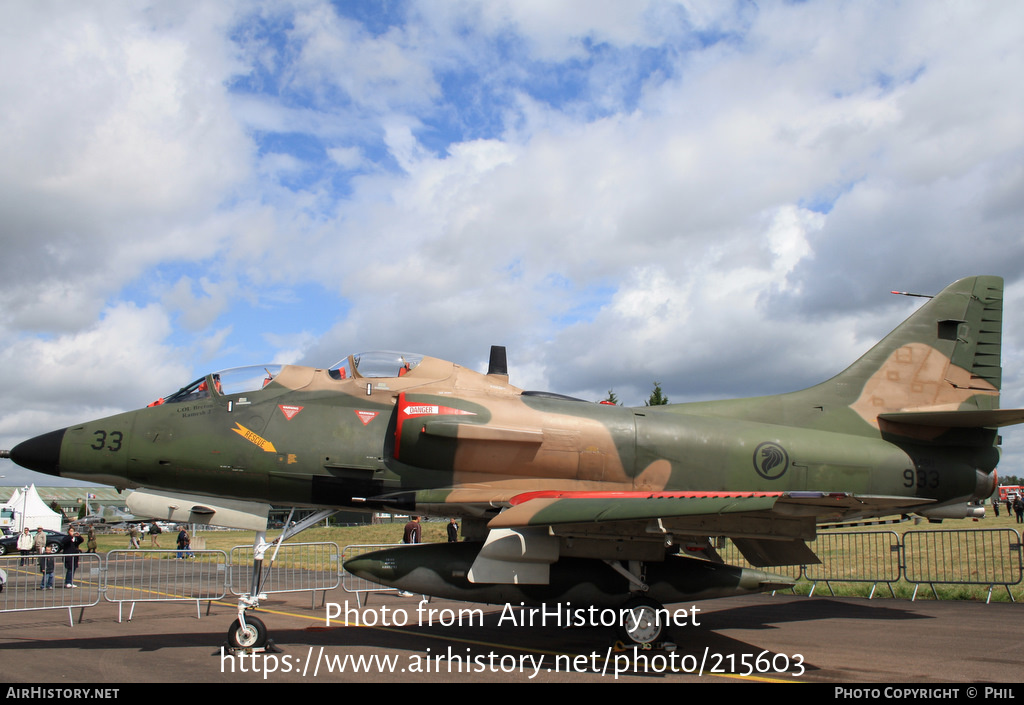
point(945, 357)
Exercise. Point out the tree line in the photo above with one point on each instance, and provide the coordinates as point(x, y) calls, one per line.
point(657, 397)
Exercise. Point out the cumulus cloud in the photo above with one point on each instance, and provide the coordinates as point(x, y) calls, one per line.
point(123, 360)
point(120, 133)
point(713, 195)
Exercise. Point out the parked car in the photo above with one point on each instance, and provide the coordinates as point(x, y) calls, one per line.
point(9, 542)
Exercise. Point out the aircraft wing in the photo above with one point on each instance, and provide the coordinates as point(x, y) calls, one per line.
point(769, 528)
point(560, 508)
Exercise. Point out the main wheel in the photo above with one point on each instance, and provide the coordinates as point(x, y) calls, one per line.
point(640, 623)
point(252, 636)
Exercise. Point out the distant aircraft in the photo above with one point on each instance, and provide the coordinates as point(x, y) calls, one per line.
point(564, 500)
point(109, 515)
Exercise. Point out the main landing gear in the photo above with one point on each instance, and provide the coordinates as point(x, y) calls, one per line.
point(640, 624)
point(248, 633)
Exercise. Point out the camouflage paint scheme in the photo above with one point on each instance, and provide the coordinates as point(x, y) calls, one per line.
point(547, 480)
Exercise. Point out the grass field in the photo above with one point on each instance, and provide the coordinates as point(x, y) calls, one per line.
point(433, 532)
point(1010, 571)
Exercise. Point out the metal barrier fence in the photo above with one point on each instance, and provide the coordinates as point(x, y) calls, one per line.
point(968, 557)
point(164, 575)
point(40, 582)
point(990, 557)
point(856, 557)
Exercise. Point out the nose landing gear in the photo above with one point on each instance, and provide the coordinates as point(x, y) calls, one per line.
point(250, 634)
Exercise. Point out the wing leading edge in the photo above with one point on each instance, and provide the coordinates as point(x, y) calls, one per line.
point(560, 508)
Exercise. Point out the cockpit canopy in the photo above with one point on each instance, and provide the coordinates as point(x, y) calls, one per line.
point(242, 380)
point(238, 380)
point(379, 363)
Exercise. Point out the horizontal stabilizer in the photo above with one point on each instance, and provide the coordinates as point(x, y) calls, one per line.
point(970, 418)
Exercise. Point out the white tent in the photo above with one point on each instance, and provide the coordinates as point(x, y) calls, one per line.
point(31, 511)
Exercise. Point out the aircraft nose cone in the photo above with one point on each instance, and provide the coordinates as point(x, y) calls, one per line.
point(41, 453)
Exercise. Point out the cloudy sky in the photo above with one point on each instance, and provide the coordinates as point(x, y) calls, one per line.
point(716, 196)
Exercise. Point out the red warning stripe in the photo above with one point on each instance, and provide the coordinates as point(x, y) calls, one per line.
point(597, 494)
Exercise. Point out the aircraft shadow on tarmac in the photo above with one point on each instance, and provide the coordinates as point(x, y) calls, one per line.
point(436, 644)
point(588, 645)
point(494, 640)
point(768, 615)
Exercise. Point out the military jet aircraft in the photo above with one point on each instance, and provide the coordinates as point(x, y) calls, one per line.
point(563, 500)
point(108, 515)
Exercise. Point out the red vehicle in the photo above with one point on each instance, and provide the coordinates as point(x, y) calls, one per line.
point(1010, 492)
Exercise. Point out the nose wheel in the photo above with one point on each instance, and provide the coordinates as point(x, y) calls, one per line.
point(250, 634)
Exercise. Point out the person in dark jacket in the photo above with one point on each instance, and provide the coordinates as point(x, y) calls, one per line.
point(184, 544)
point(46, 565)
point(69, 547)
point(413, 531)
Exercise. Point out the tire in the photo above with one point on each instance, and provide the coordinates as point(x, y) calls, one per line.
point(643, 626)
point(53, 548)
point(3, 550)
point(252, 636)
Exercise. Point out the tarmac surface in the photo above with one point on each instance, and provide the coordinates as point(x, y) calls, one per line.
point(760, 638)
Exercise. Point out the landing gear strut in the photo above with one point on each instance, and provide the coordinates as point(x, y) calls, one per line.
point(248, 632)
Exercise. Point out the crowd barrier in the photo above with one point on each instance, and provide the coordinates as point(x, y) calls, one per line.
point(979, 557)
point(25, 583)
point(164, 575)
point(130, 576)
point(983, 557)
